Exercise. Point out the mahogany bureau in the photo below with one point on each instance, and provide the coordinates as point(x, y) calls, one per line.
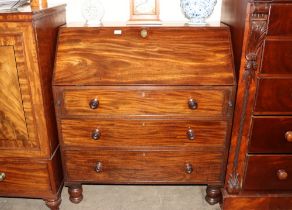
point(30, 164)
point(259, 174)
point(144, 105)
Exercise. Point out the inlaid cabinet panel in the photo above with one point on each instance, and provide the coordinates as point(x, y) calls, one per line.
point(16, 100)
point(13, 124)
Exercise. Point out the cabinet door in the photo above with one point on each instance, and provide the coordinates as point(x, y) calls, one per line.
point(12, 120)
point(19, 119)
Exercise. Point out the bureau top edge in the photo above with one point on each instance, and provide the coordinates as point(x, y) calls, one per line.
point(141, 25)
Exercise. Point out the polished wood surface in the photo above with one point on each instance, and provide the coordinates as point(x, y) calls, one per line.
point(159, 101)
point(268, 177)
point(274, 96)
point(168, 55)
point(150, 108)
point(31, 165)
point(277, 57)
point(143, 166)
point(280, 19)
point(255, 201)
point(268, 135)
point(13, 126)
point(259, 155)
point(142, 133)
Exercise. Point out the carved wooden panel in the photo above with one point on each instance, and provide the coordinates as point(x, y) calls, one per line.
point(12, 46)
point(12, 120)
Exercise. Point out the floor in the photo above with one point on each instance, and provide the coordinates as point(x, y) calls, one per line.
point(113, 197)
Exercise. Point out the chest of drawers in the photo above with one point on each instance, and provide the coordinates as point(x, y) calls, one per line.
point(144, 105)
point(260, 163)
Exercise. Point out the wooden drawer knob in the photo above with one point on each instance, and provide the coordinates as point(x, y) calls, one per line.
point(189, 168)
point(94, 103)
point(96, 134)
point(2, 176)
point(282, 174)
point(288, 136)
point(144, 33)
point(191, 134)
point(192, 104)
point(98, 167)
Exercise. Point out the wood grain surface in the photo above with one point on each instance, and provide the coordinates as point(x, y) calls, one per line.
point(277, 57)
point(168, 55)
point(159, 101)
point(268, 135)
point(266, 178)
point(16, 40)
point(256, 201)
point(23, 177)
point(12, 119)
point(280, 19)
point(143, 133)
point(274, 96)
point(143, 166)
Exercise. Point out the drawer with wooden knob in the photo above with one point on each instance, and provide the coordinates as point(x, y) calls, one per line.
point(271, 134)
point(108, 166)
point(145, 101)
point(268, 172)
point(14, 179)
point(142, 133)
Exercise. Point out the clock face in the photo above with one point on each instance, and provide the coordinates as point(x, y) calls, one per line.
point(144, 7)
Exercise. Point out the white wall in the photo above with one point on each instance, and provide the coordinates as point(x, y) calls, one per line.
point(119, 10)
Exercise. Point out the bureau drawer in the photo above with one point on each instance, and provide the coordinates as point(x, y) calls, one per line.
point(143, 101)
point(167, 56)
point(271, 135)
point(143, 166)
point(141, 133)
point(277, 57)
point(274, 96)
point(280, 19)
point(269, 172)
point(23, 177)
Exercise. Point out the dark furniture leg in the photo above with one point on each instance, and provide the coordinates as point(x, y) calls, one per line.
point(75, 192)
point(213, 195)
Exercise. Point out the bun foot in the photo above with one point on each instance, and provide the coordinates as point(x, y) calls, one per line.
point(75, 193)
point(54, 204)
point(214, 195)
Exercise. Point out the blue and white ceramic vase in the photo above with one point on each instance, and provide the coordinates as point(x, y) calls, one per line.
point(197, 10)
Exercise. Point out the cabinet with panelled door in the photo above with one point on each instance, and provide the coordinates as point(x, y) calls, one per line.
point(144, 105)
point(30, 163)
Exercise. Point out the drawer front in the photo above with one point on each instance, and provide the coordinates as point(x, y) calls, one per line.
point(143, 166)
point(277, 57)
point(280, 19)
point(17, 177)
point(266, 172)
point(169, 56)
point(141, 133)
point(146, 101)
point(271, 135)
point(274, 96)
